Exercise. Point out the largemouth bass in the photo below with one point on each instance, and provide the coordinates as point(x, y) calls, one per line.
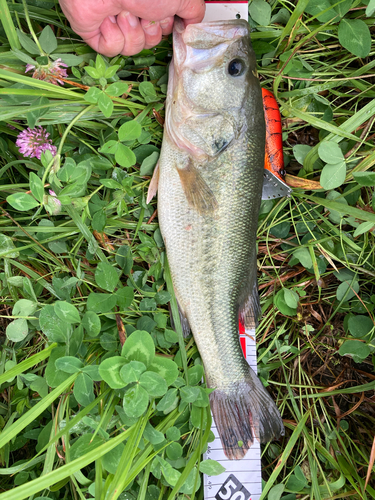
point(210, 179)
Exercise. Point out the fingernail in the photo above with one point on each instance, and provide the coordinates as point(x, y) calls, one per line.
point(151, 28)
point(165, 22)
point(112, 19)
point(132, 20)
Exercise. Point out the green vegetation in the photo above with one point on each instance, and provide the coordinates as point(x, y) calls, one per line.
point(85, 284)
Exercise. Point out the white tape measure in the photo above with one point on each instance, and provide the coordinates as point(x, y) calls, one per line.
point(242, 479)
point(222, 11)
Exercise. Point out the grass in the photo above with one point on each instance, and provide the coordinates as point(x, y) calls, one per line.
point(75, 284)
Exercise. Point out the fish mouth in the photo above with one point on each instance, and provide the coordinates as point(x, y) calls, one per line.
point(211, 33)
point(198, 45)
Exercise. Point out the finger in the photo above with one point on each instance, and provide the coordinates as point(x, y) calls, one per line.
point(153, 33)
point(192, 11)
point(107, 40)
point(133, 33)
point(167, 25)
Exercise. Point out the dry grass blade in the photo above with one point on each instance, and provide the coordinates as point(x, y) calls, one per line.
point(370, 465)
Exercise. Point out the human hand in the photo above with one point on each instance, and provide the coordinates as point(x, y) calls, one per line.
point(126, 27)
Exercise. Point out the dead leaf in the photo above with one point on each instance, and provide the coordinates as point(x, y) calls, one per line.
point(121, 329)
point(299, 182)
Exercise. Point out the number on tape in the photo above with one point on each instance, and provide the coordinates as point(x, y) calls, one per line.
point(232, 489)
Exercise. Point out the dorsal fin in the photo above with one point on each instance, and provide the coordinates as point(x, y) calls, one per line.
point(249, 310)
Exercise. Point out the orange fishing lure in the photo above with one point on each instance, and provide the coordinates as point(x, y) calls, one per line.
point(274, 158)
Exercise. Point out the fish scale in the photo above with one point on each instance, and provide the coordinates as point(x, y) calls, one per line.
point(209, 193)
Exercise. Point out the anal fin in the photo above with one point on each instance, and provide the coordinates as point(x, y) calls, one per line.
point(153, 187)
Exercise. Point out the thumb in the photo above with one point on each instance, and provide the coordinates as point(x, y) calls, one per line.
point(192, 11)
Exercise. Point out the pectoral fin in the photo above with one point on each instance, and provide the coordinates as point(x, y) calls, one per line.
point(153, 187)
point(197, 192)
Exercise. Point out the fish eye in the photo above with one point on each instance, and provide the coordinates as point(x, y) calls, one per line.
point(236, 67)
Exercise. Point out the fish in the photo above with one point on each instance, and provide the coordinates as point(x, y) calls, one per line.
point(209, 181)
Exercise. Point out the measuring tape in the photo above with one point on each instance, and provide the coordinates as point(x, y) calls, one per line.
point(242, 478)
point(223, 11)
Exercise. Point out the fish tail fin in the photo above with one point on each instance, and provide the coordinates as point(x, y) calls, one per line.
point(243, 413)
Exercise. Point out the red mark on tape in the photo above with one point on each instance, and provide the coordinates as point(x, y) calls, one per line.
point(242, 339)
